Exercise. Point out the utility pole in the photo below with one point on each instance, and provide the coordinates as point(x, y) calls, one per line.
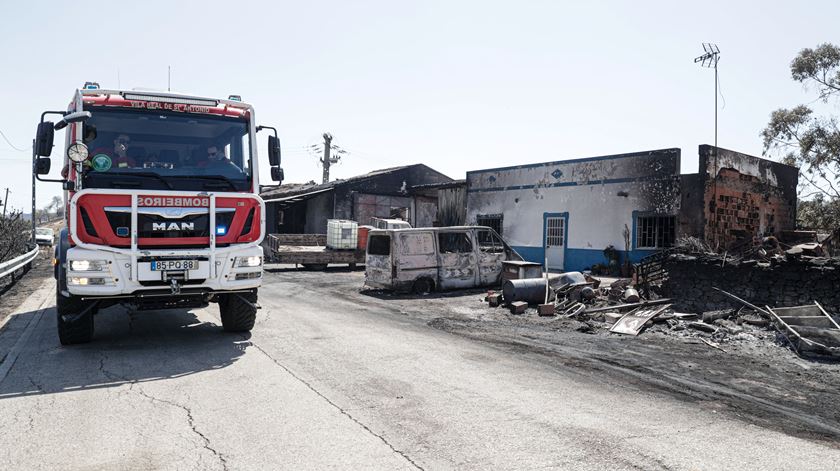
point(5, 202)
point(33, 192)
point(326, 160)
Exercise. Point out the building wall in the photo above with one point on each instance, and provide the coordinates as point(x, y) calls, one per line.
point(692, 205)
point(389, 184)
point(745, 196)
point(452, 206)
point(319, 209)
point(600, 196)
point(367, 206)
point(424, 211)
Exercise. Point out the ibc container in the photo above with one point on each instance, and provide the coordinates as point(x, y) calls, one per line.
point(342, 234)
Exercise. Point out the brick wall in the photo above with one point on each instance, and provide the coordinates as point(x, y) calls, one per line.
point(745, 196)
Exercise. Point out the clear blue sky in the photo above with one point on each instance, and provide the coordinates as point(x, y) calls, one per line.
point(457, 85)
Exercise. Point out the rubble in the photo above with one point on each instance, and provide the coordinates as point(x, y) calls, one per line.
point(518, 307)
point(809, 329)
point(634, 321)
point(591, 305)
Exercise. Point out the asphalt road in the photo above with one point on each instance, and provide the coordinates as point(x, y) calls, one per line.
point(330, 380)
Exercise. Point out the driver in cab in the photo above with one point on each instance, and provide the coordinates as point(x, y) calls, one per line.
point(119, 153)
point(216, 158)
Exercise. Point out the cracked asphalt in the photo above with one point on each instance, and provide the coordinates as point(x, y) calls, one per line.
point(331, 378)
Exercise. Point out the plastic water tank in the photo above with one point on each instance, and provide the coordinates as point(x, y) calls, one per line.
point(363, 236)
point(342, 234)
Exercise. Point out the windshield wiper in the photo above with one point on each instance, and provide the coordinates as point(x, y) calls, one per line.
point(141, 174)
point(220, 178)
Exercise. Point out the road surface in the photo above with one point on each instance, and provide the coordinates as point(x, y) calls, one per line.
point(329, 380)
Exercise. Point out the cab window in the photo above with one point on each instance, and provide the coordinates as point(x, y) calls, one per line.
point(454, 242)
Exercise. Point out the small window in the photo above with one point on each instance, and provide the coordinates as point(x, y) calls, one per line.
point(379, 245)
point(655, 232)
point(493, 221)
point(454, 242)
point(417, 244)
point(489, 242)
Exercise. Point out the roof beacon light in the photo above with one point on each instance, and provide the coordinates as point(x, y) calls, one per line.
point(235, 97)
point(91, 86)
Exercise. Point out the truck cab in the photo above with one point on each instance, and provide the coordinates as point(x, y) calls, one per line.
point(163, 205)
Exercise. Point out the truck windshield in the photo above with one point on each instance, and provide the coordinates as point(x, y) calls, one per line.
point(166, 150)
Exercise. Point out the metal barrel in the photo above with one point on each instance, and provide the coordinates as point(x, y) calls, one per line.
point(530, 290)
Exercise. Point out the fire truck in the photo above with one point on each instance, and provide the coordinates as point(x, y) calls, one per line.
point(162, 205)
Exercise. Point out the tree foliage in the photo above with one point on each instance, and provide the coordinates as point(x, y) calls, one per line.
point(807, 140)
point(14, 236)
point(818, 213)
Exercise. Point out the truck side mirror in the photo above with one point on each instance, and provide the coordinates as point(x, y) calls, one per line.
point(274, 152)
point(277, 174)
point(42, 165)
point(44, 139)
point(75, 117)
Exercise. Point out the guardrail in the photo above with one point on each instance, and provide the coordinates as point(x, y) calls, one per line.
point(15, 264)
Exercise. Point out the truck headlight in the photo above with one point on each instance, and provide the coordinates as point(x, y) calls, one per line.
point(247, 262)
point(88, 265)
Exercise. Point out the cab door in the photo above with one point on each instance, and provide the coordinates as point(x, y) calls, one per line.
point(491, 254)
point(457, 260)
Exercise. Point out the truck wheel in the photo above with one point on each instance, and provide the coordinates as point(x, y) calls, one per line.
point(238, 311)
point(75, 320)
point(74, 316)
point(423, 286)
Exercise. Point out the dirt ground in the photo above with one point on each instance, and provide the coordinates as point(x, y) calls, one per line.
point(756, 377)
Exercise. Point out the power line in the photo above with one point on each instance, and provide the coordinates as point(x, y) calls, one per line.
point(10, 143)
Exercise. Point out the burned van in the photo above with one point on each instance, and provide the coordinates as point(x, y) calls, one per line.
point(441, 258)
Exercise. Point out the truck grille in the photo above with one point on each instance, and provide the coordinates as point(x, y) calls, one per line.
point(163, 223)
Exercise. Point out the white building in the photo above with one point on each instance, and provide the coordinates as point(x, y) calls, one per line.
point(568, 212)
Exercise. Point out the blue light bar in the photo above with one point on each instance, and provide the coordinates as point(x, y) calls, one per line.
point(91, 86)
point(221, 230)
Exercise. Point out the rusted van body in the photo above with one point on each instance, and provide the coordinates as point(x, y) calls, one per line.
point(441, 258)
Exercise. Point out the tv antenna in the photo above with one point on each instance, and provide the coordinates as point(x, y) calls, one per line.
point(709, 60)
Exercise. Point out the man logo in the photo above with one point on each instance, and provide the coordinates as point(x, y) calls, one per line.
point(173, 226)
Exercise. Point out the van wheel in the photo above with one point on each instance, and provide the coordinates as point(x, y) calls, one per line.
point(314, 266)
point(423, 286)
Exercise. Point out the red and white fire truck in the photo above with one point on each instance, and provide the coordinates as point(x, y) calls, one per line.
point(163, 206)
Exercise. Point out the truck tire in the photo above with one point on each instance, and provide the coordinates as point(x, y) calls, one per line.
point(238, 311)
point(74, 317)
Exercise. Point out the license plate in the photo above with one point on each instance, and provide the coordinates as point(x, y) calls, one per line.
point(174, 265)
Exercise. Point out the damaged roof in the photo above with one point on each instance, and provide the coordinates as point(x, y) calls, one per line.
point(292, 189)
